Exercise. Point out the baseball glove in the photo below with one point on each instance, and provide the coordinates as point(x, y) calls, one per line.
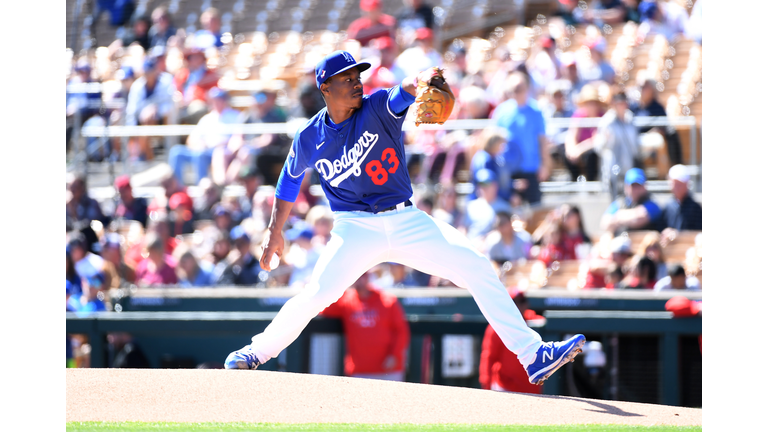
point(434, 99)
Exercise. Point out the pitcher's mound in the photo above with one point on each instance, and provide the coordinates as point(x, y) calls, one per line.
point(199, 395)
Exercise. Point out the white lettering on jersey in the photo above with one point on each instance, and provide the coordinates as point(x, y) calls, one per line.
point(349, 161)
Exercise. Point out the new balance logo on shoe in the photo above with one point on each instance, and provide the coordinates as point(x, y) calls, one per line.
point(550, 354)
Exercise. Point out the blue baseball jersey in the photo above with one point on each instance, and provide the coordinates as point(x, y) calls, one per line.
point(361, 161)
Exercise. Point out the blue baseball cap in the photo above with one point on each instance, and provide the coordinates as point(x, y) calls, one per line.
point(634, 175)
point(335, 63)
point(217, 93)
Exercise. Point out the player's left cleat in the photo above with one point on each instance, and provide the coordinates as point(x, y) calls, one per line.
point(551, 356)
point(243, 358)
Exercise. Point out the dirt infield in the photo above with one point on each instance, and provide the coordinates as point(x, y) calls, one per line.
point(197, 395)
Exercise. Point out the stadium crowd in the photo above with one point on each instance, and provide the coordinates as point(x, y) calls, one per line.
point(210, 238)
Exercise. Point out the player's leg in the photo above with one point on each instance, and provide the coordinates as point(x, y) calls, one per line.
point(436, 248)
point(357, 244)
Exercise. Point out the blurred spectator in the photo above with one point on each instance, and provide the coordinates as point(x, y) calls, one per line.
point(509, 245)
point(635, 211)
point(527, 154)
point(556, 106)
point(500, 368)
point(552, 247)
point(219, 255)
point(642, 275)
point(662, 17)
point(73, 279)
point(194, 273)
point(309, 101)
point(544, 67)
point(594, 67)
point(305, 200)
point(490, 156)
point(162, 28)
point(120, 273)
point(208, 199)
point(602, 12)
point(571, 79)
point(447, 208)
point(93, 296)
point(617, 144)
point(602, 271)
point(250, 178)
point(182, 214)
point(320, 219)
point(120, 12)
point(580, 156)
point(677, 280)
point(159, 225)
point(481, 212)
point(472, 103)
point(302, 255)
point(205, 139)
point(415, 14)
point(383, 72)
point(194, 81)
point(649, 106)
point(130, 207)
point(372, 24)
point(210, 35)
point(138, 34)
point(125, 352)
point(682, 212)
point(223, 217)
point(268, 151)
point(631, 8)
point(82, 210)
point(87, 264)
point(158, 268)
point(245, 269)
point(574, 237)
point(376, 333)
point(569, 12)
point(170, 186)
point(651, 248)
point(80, 102)
point(419, 57)
point(149, 102)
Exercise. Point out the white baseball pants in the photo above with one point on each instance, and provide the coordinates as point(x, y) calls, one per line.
point(361, 240)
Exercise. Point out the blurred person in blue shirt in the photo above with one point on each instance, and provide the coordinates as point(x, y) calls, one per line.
point(193, 272)
point(527, 154)
point(210, 35)
point(162, 28)
point(635, 211)
point(491, 157)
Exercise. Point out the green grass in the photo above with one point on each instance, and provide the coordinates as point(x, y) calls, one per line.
point(323, 427)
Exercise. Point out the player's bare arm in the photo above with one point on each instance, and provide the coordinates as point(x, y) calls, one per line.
point(273, 241)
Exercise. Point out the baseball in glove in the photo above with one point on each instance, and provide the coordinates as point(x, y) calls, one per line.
point(434, 99)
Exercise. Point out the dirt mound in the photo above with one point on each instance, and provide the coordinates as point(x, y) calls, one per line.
point(197, 395)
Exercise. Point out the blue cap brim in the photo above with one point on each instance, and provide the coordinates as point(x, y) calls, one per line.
point(361, 66)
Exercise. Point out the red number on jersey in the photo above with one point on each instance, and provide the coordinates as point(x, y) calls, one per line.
point(392, 159)
point(377, 172)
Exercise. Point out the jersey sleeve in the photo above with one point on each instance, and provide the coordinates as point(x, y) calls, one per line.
point(292, 174)
point(379, 101)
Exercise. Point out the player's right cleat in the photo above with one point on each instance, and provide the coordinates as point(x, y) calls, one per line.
point(551, 356)
point(243, 358)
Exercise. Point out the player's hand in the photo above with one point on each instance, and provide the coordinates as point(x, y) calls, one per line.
point(389, 363)
point(273, 244)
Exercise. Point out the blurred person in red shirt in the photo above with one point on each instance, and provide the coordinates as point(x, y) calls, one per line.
point(129, 206)
point(581, 157)
point(157, 268)
point(182, 214)
point(642, 275)
point(573, 235)
point(194, 80)
point(500, 368)
point(373, 23)
point(375, 330)
point(384, 74)
point(159, 225)
point(621, 253)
